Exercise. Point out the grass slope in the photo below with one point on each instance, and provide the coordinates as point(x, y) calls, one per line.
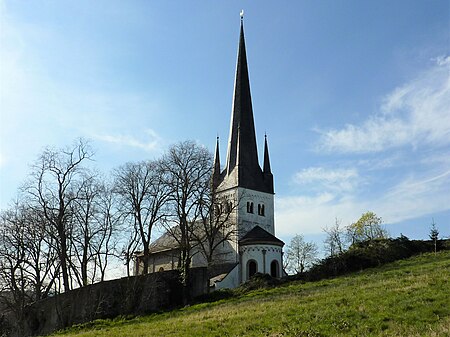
point(406, 298)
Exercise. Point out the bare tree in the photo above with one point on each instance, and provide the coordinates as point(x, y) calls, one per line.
point(13, 279)
point(52, 191)
point(41, 262)
point(107, 242)
point(143, 195)
point(215, 225)
point(84, 227)
point(187, 168)
point(130, 246)
point(300, 255)
point(335, 241)
point(27, 260)
point(94, 226)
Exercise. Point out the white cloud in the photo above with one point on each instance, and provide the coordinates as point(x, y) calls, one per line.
point(412, 197)
point(417, 196)
point(380, 162)
point(149, 140)
point(309, 215)
point(414, 114)
point(410, 182)
point(339, 180)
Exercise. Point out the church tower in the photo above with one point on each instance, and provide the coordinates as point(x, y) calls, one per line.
point(243, 182)
point(242, 176)
point(245, 196)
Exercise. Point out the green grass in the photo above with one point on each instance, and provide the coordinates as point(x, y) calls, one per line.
point(405, 298)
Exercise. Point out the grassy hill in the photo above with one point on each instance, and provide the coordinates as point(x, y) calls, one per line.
point(405, 298)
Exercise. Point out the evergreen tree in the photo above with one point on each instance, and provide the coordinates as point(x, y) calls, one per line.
point(434, 235)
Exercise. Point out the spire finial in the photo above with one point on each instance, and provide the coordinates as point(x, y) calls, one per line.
point(242, 15)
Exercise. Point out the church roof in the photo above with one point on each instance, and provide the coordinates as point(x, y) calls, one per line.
point(259, 235)
point(165, 242)
point(242, 155)
point(242, 143)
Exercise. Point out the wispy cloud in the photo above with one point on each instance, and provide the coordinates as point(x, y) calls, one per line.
point(412, 197)
point(149, 141)
point(413, 114)
point(310, 214)
point(416, 196)
point(397, 162)
point(339, 180)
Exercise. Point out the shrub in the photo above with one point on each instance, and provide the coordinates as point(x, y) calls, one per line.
point(259, 281)
point(370, 254)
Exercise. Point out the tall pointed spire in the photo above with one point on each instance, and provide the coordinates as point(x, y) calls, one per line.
point(266, 167)
point(242, 116)
point(242, 167)
point(217, 157)
point(216, 167)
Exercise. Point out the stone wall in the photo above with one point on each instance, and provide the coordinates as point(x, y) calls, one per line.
point(135, 295)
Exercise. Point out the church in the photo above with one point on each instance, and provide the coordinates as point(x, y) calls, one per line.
point(243, 183)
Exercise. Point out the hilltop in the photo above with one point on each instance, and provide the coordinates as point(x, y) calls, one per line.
point(404, 298)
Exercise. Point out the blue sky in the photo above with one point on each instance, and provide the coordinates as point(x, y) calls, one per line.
point(354, 96)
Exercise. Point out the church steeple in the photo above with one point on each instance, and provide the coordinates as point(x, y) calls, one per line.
point(242, 116)
point(242, 166)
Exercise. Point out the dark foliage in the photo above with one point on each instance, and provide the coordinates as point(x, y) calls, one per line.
point(259, 281)
point(370, 254)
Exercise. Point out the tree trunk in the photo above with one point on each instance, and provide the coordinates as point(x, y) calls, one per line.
point(186, 281)
point(63, 259)
point(145, 257)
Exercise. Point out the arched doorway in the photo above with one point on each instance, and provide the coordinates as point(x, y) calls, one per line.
point(252, 268)
point(274, 270)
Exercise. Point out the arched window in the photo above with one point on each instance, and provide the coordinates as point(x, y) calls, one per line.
point(261, 209)
point(249, 207)
point(252, 268)
point(161, 269)
point(274, 270)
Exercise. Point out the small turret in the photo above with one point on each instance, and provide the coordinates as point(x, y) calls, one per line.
point(216, 168)
point(266, 157)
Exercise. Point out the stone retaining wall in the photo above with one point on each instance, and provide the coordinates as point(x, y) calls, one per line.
point(135, 295)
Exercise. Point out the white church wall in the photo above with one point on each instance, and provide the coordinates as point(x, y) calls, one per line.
point(161, 261)
point(229, 251)
point(225, 252)
point(247, 220)
point(198, 258)
point(230, 281)
point(263, 255)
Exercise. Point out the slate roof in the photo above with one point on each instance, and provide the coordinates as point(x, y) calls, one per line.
point(163, 243)
point(259, 235)
point(242, 154)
